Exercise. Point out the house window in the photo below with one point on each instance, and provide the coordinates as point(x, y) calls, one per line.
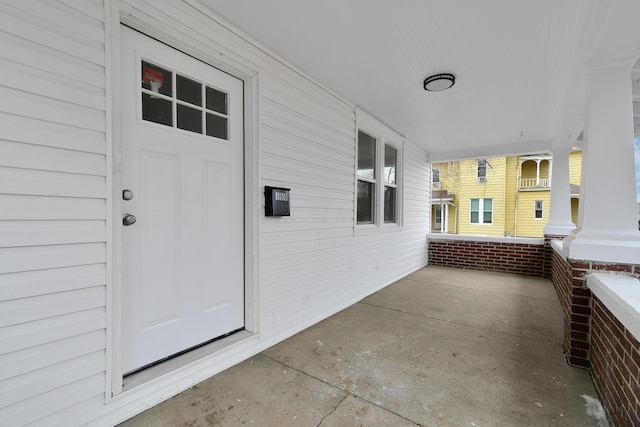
point(482, 171)
point(378, 176)
point(435, 178)
point(366, 178)
point(481, 211)
point(537, 209)
point(390, 193)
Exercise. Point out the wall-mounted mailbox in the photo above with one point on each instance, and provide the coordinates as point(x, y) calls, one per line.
point(276, 201)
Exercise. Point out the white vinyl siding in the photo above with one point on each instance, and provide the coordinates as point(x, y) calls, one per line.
point(52, 209)
point(54, 204)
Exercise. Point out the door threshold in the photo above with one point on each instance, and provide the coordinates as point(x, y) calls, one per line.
point(157, 370)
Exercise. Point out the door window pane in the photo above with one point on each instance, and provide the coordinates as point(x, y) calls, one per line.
point(188, 90)
point(189, 119)
point(157, 110)
point(366, 199)
point(156, 79)
point(366, 155)
point(217, 126)
point(216, 101)
point(390, 158)
point(389, 204)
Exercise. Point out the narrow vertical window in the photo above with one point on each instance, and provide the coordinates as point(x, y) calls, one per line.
point(537, 209)
point(390, 194)
point(435, 178)
point(482, 171)
point(366, 178)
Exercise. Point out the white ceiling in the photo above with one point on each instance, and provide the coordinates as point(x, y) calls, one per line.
point(519, 64)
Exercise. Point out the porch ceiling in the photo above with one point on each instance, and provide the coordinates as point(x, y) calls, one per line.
point(519, 65)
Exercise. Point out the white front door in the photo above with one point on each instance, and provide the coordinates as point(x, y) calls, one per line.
point(182, 176)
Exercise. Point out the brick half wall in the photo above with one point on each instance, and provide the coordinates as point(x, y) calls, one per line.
point(569, 281)
point(615, 366)
point(489, 255)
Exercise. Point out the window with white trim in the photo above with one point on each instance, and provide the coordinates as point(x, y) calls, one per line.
point(435, 178)
point(481, 171)
point(390, 183)
point(537, 209)
point(481, 211)
point(366, 178)
point(378, 175)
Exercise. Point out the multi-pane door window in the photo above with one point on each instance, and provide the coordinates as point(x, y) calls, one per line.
point(481, 211)
point(482, 171)
point(174, 100)
point(537, 209)
point(378, 186)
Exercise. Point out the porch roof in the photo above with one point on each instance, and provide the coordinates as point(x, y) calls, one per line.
point(520, 67)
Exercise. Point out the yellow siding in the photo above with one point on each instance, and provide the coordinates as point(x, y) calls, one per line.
point(544, 169)
point(529, 169)
point(575, 170)
point(575, 167)
point(528, 226)
point(511, 189)
point(459, 178)
point(574, 211)
point(493, 189)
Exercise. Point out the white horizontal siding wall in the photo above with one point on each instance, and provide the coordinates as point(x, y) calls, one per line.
point(313, 263)
point(53, 204)
point(52, 210)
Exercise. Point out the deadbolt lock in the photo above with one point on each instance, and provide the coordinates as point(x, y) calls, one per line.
point(128, 219)
point(127, 194)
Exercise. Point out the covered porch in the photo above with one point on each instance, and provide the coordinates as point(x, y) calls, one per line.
point(440, 347)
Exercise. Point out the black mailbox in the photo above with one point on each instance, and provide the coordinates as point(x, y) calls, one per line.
point(276, 201)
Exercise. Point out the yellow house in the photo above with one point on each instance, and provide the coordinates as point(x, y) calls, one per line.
point(497, 196)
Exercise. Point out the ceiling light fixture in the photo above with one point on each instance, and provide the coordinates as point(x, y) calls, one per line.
point(439, 82)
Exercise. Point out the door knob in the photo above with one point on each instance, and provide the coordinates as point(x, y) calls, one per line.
point(128, 219)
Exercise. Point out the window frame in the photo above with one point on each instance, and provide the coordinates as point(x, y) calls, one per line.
point(383, 137)
point(481, 211)
point(435, 172)
point(536, 210)
point(481, 178)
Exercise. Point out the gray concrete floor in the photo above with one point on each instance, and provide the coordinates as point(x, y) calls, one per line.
point(441, 347)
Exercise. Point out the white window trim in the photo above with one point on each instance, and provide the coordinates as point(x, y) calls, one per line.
point(480, 211)
point(541, 210)
point(384, 136)
point(435, 184)
point(481, 179)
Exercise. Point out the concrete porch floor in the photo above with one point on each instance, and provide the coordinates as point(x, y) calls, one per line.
point(441, 347)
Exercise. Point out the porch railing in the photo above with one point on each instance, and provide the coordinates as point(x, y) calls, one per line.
point(528, 183)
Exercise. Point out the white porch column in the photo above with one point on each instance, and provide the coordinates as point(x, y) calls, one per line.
point(559, 223)
point(607, 219)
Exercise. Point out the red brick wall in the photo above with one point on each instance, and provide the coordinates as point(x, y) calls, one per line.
point(548, 251)
point(615, 366)
point(519, 258)
point(575, 299)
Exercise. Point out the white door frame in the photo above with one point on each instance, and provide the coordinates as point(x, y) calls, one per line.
point(237, 67)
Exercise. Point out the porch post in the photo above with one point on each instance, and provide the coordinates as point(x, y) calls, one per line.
point(559, 223)
point(608, 229)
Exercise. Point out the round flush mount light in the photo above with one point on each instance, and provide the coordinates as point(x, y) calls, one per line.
point(439, 82)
